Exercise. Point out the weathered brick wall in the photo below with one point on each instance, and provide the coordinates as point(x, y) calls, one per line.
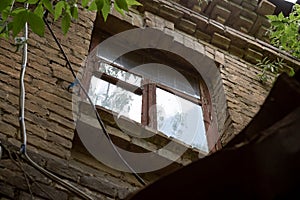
point(19, 180)
point(247, 16)
point(237, 94)
point(49, 120)
point(48, 108)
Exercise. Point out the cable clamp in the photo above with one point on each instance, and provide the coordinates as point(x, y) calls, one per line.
point(73, 84)
point(23, 148)
point(20, 40)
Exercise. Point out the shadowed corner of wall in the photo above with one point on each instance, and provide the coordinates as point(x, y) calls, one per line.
point(262, 162)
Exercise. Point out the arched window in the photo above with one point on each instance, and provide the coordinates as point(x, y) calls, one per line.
point(156, 89)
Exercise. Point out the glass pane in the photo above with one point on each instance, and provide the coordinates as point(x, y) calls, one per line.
point(170, 77)
point(181, 119)
point(116, 99)
point(120, 74)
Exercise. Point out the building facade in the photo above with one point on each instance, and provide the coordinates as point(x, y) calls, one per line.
point(213, 46)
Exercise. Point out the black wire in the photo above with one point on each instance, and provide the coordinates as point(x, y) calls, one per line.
point(57, 179)
point(23, 128)
point(93, 105)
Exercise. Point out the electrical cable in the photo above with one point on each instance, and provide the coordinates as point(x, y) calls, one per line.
point(140, 179)
point(59, 180)
point(22, 123)
point(22, 88)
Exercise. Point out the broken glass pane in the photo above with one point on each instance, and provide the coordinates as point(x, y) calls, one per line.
point(120, 74)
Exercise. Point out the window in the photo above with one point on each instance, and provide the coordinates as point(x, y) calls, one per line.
point(163, 98)
point(117, 90)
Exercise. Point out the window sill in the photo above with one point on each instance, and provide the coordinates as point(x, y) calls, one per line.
point(122, 135)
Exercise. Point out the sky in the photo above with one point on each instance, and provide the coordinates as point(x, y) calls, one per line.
point(293, 1)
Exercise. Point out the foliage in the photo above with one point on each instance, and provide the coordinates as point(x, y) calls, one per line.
point(284, 32)
point(14, 15)
point(277, 66)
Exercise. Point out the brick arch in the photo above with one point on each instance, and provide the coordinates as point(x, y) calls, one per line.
point(190, 50)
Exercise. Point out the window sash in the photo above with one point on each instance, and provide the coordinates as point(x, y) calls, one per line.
point(138, 90)
point(180, 94)
point(148, 91)
point(113, 80)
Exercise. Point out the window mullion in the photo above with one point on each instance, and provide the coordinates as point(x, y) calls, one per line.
point(144, 119)
point(152, 106)
point(149, 115)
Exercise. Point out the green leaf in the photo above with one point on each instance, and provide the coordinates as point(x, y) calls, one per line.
point(291, 72)
point(84, 3)
point(100, 4)
point(105, 10)
point(19, 22)
point(36, 23)
point(10, 26)
point(119, 10)
point(74, 12)
point(133, 3)
point(32, 1)
point(48, 6)
point(58, 9)
point(21, 1)
point(272, 17)
point(4, 35)
point(5, 31)
point(122, 4)
point(276, 23)
point(4, 4)
point(68, 9)
point(39, 10)
point(93, 6)
point(281, 16)
point(17, 10)
point(65, 23)
point(5, 13)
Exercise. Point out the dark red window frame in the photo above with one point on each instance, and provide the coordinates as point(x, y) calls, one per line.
point(205, 102)
point(148, 92)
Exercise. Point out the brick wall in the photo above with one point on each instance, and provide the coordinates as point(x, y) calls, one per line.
point(235, 90)
point(49, 120)
point(48, 107)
